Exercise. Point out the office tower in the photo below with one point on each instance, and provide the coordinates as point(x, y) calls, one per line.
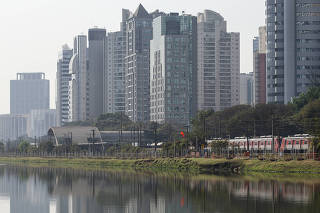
point(293, 48)
point(246, 88)
point(218, 63)
point(259, 66)
point(40, 121)
point(96, 38)
point(63, 82)
point(173, 66)
point(29, 91)
point(78, 70)
point(12, 127)
point(114, 69)
point(137, 61)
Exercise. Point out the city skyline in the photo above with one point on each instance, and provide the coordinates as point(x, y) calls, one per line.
point(50, 36)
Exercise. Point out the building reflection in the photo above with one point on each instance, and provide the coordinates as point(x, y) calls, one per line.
point(49, 190)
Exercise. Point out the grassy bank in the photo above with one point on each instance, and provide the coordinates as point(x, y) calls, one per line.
point(68, 163)
point(204, 166)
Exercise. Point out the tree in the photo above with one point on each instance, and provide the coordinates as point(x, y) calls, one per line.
point(1, 147)
point(303, 99)
point(113, 122)
point(219, 146)
point(46, 146)
point(309, 118)
point(23, 146)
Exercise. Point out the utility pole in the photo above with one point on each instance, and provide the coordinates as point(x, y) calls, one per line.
point(155, 139)
point(139, 134)
point(204, 128)
point(93, 139)
point(272, 125)
point(174, 147)
point(254, 128)
point(196, 144)
point(219, 127)
point(121, 126)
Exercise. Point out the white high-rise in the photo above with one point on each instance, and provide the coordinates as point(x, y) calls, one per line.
point(218, 63)
point(114, 68)
point(79, 89)
point(63, 89)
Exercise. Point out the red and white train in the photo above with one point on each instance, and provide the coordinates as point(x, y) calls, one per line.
point(297, 143)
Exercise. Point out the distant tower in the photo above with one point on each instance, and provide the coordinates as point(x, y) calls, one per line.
point(259, 66)
point(63, 82)
point(95, 72)
point(28, 92)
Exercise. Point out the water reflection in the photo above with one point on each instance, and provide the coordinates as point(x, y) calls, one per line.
point(51, 190)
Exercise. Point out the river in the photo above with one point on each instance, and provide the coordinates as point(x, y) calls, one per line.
point(56, 190)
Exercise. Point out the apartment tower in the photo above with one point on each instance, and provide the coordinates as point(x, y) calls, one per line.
point(218, 63)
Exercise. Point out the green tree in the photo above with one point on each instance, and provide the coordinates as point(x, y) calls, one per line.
point(113, 122)
point(1, 147)
point(46, 146)
point(308, 118)
point(23, 146)
point(219, 146)
point(303, 99)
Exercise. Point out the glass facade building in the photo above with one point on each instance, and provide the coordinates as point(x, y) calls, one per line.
point(173, 60)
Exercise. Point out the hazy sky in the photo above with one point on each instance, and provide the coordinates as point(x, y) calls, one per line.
point(33, 31)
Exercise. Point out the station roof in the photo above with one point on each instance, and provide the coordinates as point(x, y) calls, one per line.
point(80, 135)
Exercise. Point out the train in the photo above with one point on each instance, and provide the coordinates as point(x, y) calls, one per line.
point(300, 143)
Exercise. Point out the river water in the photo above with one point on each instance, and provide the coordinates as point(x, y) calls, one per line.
point(52, 190)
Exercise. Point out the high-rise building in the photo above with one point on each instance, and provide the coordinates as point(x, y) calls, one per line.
point(218, 63)
point(137, 61)
point(79, 85)
point(275, 48)
point(29, 91)
point(293, 48)
point(63, 82)
point(246, 88)
point(173, 68)
point(114, 69)
point(40, 121)
point(12, 127)
point(259, 66)
point(96, 38)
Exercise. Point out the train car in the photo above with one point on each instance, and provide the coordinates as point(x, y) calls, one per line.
point(298, 143)
point(268, 144)
point(264, 144)
point(238, 143)
point(257, 144)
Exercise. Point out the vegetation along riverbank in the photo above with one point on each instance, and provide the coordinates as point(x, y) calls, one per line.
point(194, 165)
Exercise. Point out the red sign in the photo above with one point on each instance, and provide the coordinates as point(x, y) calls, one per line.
point(182, 134)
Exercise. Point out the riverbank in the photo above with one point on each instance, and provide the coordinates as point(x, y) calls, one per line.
point(193, 165)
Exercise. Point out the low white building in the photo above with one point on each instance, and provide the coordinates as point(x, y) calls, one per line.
point(12, 127)
point(39, 121)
